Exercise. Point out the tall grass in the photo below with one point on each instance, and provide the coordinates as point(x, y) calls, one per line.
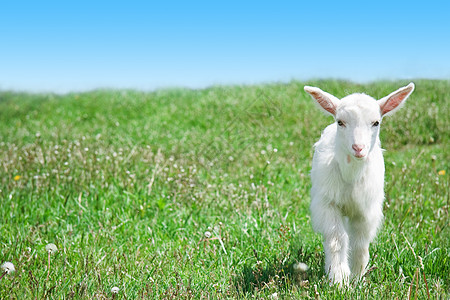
point(205, 193)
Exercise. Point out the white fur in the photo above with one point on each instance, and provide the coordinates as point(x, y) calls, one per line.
point(348, 179)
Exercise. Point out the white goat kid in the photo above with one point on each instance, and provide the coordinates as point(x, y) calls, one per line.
point(348, 179)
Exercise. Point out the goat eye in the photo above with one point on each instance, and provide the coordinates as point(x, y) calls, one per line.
point(340, 123)
point(375, 124)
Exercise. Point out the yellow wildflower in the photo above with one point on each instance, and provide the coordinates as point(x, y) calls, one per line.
point(17, 177)
point(441, 172)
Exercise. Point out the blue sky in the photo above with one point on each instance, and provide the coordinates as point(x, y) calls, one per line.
point(62, 46)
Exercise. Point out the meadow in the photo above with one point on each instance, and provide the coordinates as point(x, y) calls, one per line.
point(204, 194)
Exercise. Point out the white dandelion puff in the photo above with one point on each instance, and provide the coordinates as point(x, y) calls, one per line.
point(8, 267)
point(301, 267)
point(51, 248)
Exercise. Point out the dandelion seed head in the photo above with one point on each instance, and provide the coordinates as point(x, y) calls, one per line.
point(207, 234)
point(8, 267)
point(51, 248)
point(115, 290)
point(301, 267)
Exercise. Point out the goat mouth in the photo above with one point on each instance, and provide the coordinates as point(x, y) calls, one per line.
point(359, 155)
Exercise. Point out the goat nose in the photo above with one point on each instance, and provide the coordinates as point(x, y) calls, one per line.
point(357, 147)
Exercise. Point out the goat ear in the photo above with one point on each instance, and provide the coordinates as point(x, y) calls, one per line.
point(327, 102)
point(395, 100)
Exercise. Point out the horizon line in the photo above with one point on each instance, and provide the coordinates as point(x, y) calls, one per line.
point(211, 85)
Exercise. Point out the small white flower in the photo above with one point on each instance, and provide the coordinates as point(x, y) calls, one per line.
point(8, 267)
point(51, 248)
point(275, 150)
point(207, 234)
point(115, 290)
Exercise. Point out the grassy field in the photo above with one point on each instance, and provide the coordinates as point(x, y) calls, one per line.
point(205, 193)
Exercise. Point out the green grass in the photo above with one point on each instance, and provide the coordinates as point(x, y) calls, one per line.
point(181, 193)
